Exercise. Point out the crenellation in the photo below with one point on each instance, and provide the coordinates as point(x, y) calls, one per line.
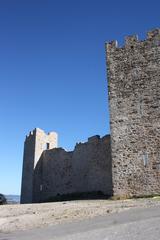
point(94, 138)
point(39, 130)
point(125, 163)
point(85, 169)
point(153, 34)
point(111, 46)
point(133, 79)
point(131, 40)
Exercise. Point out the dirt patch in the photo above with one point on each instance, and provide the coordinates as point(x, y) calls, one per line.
point(28, 216)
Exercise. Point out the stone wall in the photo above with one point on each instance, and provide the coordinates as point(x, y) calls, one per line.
point(27, 171)
point(134, 95)
point(86, 169)
point(35, 143)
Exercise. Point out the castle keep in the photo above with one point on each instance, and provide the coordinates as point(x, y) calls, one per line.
point(35, 143)
point(127, 163)
point(134, 96)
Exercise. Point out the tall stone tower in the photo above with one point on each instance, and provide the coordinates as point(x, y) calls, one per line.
point(34, 145)
point(134, 96)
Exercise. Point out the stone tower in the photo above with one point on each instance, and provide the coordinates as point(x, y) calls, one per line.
point(134, 96)
point(34, 145)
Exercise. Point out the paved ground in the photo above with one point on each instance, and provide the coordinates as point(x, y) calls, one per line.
point(134, 224)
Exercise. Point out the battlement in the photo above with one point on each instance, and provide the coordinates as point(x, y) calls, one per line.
point(152, 36)
point(92, 140)
point(133, 80)
point(31, 133)
point(95, 138)
point(38, 131)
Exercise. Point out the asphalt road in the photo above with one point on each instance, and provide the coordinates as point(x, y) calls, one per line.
point(134, 224)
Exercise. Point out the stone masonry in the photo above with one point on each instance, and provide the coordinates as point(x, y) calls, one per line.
point(49, 171)
point(35, 143)
point(134, 96)
point(128, 163)
point(87, 169)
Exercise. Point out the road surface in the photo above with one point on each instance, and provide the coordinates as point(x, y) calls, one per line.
point(134, 224)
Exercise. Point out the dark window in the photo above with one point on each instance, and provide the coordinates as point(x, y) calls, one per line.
point(47, 145)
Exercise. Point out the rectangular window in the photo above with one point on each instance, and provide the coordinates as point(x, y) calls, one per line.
point(145, 159)
point(46, 146)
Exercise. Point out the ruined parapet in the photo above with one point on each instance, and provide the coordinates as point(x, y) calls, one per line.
point(93, 139)
point(152, 39)
point(35, 143)
point(133, 80)
point(86, 169)
point(91, 164)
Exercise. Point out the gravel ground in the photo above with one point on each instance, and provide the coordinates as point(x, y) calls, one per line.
point(30, 216)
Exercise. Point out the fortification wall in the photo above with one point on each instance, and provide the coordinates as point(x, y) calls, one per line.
point(134, 87)
point(52, 175)
point(86, 169)
point(91, 164)
point(35, 143)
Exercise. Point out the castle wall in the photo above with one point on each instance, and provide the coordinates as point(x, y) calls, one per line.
point(86, 169)
point(134, 96)
point(92, 166)
point(52, 175)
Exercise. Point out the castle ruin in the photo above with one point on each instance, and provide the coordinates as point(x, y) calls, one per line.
point(134, 96)
point(49, 171)
point(125, 164)
point(35, 143)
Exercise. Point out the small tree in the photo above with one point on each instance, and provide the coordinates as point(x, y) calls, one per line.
point(3, 200)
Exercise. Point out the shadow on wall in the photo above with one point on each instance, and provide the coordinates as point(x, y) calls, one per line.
point(78, 196)
point(85, 173)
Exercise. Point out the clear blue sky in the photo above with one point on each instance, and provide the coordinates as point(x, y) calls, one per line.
point(52, 70)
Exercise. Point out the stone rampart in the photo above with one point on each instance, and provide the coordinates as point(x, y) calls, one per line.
point(86, 169)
